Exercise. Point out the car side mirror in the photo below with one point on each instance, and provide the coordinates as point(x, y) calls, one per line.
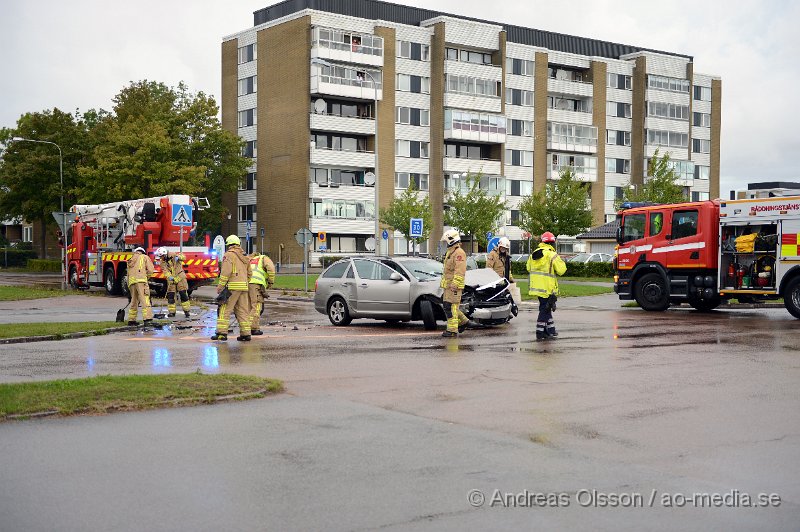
point(619, 235)
point(396, 276)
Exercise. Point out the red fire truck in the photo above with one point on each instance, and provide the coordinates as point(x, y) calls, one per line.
point(702, 253)
point(102, 238)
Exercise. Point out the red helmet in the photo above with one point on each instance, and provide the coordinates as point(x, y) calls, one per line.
point(548, 237)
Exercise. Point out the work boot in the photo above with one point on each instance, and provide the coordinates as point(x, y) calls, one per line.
point(133, 323)
point(462, 327)
point(148, 323)
point(220, 336)
point(257, 332)
point(186, 313)
point(449, 334)
point(171, 315)
point(541, 335)
point(551, 332)
point(243, 338)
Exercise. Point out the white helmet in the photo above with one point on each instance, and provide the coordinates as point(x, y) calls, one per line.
point(140, 250)
point(504, 243)
point(161, 252)
point(451, 236)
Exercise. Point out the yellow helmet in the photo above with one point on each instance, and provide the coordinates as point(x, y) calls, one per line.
point(233, 240)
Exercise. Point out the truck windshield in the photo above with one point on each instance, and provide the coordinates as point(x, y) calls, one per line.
point(633, 227)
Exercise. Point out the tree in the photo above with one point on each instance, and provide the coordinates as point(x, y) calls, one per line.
point(661, 187)
point(473, 210)
point(408, 205)
point(560, 207)
point(163, 140)
point(30, 184)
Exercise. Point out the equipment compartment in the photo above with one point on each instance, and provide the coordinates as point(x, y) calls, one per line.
point(748, 263)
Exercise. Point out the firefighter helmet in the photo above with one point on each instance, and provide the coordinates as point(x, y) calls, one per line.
point(161, 252)
point(504, 243)
point(233, 240)
point(451, 236)
point(140, 250)
point(548, 237)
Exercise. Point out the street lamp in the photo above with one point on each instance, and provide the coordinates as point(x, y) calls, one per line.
point(63, 215)
point(378, 240)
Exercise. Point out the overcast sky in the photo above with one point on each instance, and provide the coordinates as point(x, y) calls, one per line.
point(80, 53)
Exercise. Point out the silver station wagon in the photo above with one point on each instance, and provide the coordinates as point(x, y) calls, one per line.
point(406, 289)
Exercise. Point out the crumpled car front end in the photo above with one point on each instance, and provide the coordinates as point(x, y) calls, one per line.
point(486, 299)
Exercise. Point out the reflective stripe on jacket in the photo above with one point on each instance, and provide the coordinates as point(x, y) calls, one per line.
point(544, 265)
point(172, 265)
point(455, 267)
point(140, 268)
point(262, 271)
point(235, 271)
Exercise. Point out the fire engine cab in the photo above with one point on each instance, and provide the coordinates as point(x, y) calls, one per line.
point(102, 239)
point(702, 253)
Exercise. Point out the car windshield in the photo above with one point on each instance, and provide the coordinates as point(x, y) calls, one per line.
point(580, 257)
point(424, 269)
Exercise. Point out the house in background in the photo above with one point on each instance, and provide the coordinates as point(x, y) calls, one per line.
point(601, 239)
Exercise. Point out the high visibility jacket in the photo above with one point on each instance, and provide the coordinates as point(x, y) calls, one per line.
point(498, 263)
point(262, 271)
point(455, 267)
point(544, 266)
point(140, 268)
point(235, 271)
point(172, 266)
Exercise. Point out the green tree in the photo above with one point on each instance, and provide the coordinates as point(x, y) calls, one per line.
point(560, 207)
point(408, 205)
point(163, 140)
point(473, 210)
point(660, 187)
point(30, 184)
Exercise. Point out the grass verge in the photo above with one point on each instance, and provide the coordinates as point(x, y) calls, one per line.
point(109, 393)
point(567, 290)
point(17, 293)
point(295, 282)
point(17, 330)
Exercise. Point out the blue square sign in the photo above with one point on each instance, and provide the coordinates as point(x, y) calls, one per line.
point(416, 228)
point(181, 215)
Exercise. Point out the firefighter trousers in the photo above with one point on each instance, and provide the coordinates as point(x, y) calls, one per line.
point(239, 305)
point(256, 293)
point(140, 294)
point(454, 316)
point(182, 289)
point(545, 326)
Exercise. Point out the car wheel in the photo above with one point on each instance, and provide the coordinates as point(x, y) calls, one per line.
point(110, 281)
point(338, 312)
point(428, 317)
point(651, 292)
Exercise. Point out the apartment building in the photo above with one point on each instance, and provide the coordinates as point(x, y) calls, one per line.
point(343, 102)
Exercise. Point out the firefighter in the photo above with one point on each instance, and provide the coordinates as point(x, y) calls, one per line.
point(500, 261)
point(544, 266)
point(455, 267)
point(262, 277)
point(234, 276)
point(172, 267)
point(140, 269)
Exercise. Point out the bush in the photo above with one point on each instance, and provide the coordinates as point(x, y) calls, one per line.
point(327, 260)
point(44, 265)
point(12, 257)
point(574, 269)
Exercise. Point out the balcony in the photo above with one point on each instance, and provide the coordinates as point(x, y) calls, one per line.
point(571, 137)
point(474, 166)
point(346, 47)
point(582, 173)
point(356, 159)
point(346, 82)
point(342, 124)
point(573, 88)
point(475, 127)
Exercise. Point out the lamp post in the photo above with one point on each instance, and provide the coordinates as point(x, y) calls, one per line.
point(63, 214)
point(322, 62)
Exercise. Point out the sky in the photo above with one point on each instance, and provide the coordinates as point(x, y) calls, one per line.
point(79, 54)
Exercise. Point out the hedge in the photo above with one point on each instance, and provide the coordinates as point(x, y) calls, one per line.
point(44, 265)
point(574, 269)
point(12, 257)
point(327, 260)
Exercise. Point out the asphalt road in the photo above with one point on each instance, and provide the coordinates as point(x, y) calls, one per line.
point(391, 426)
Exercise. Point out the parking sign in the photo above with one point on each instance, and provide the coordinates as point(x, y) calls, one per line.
point(416, 228)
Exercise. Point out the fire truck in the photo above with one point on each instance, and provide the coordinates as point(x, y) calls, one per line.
point(703, 253)
point(102, 238)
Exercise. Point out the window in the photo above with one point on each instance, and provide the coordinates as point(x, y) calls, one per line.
point(664, 83)
point(328, 141)
point(614, 193)
point(618, 138)
point(656, 223)
point(522, 128)
point(470, 85)
point(618, 166)
point(27, 233)
point(474, 121)
point(247, 117)
point(247, 212)
point(618, 109)
point(337, 270)
point(569, 104)
point(250, 149)
point(702, 93)
point(373, 271)
point(619, 81)
point(519, 97)
point(519, 158)
point(699, 196)
point(319, 176)
point(584, 166)
point(417, 84)
point(672, 139)
point(515, 187)
point(701, 120)
point(684, 224)
point(335, 39)
point(248, 182)
point(572, 134)
point(247, 85)
point(701, 172)
point(412, 148)
point(565, 74)
point(353, 209)
point(247, 53)
point(668, 110)
point(520, 67)
point(633, 228)
point(404, 49)
point(412, 50)
point(412, 116)
point(402, 180)
point(701, 146)
point(479, 58)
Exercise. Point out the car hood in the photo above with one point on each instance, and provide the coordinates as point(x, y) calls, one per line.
point(481, 277)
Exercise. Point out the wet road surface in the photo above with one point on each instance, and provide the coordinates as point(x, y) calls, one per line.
point(623, 400)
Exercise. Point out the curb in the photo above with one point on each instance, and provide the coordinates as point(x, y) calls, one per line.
point(65, 336)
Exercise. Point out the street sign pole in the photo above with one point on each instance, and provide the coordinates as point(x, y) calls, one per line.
point(181, 244)
point(305, 258)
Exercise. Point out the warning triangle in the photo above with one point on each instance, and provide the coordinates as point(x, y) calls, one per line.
point(182, 216)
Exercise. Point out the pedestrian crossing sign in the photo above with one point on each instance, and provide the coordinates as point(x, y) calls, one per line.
point(181, 215)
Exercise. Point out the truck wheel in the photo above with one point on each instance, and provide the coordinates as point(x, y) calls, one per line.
point(73, 278)
point(338, 312)
point(651, 293)
point(428, 317)
point(112, 287)
point(791, 297)
point(704, 305)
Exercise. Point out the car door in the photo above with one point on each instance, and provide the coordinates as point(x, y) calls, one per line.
point(377, 293)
